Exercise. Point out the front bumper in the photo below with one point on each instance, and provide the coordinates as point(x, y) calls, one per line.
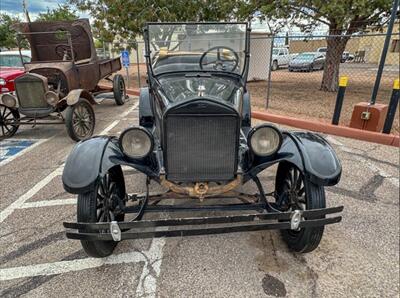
point(117, 231)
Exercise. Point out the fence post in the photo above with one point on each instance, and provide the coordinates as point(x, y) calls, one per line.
point(269, 72)
point(339, 99)
point(394, 100)
point(384, 52)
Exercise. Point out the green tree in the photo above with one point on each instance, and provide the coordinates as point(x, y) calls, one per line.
point(343, 18)
point(61, 13)
point(7, 35)
point(126, 18)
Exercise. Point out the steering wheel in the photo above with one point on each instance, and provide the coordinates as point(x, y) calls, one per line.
point(223, 59)
point(64, 52)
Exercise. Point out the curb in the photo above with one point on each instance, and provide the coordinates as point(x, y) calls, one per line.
point(338, 130)
point(135, 92)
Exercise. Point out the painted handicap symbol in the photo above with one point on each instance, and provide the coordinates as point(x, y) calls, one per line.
point(10, 148)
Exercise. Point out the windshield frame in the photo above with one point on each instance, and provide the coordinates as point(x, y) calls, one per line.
point(148, 51)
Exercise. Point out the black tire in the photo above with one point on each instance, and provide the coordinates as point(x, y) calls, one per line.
point(275, 65)
point(289, 178)
point(88, 207)
point(8, 115)
point(119, 89)
point(311, 68)
point(80, 120)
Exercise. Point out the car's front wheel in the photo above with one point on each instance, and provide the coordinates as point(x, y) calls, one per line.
point(9, 119)
point(80, 120)
point(102, 205)
point(294, 192)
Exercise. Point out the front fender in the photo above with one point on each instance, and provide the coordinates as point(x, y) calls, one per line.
point(311, 153)
point(90, 160)
point(74, 95)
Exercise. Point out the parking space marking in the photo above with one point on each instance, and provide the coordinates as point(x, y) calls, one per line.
point(147, 286)
point(69, 266)
point(10, 149)
point(115, 123)
point(29, 194)
point(48, 203)
point(152, 257)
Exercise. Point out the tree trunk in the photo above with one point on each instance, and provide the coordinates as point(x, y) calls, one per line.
point(336, 46)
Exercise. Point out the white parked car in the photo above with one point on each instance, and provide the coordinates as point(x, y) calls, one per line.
point(280, 58)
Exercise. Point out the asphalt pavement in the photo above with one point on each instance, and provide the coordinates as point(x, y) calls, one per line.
point(358, 257)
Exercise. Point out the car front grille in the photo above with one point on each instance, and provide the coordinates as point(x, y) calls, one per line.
point(201, 147)
point(30, 90)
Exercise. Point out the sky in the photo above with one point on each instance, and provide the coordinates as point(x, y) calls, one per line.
point(14, 7)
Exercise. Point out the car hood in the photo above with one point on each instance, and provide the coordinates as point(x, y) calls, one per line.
point(300, 62)
point(6, 72)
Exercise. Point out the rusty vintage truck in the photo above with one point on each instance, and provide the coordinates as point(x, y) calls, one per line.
point(61, 80)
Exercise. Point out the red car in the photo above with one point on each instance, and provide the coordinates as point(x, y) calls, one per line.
point(11, 67)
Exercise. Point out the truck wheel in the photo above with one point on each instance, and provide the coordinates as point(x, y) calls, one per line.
point(80, 120)
point(7, 117)
point(294, 192)
point(101, 205)
point(119, 89)
point(274, 65)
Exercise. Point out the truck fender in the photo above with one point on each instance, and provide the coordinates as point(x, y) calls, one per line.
point(310, 153)
point(146, 117)
point(90, 160)
point(74, 95)
point(314, 156)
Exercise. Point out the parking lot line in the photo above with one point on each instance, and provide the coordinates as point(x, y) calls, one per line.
point(123, 115)
point(48, 203)
point(29, 194)
point(69, 266)
point(147, 286)
point(152, 257)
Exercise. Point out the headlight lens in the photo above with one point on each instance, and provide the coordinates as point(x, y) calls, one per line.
point(9, 100)
point(51, 98)
point(265, 140)
point(136, 142)
point(2, 82)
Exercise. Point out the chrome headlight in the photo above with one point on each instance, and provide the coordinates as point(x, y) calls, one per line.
point(51, 98)
point(2, 82)
point(265, 140)
point(8, 100)
point(136, 142)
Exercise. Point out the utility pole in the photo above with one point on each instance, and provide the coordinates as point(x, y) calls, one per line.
point(25, 9)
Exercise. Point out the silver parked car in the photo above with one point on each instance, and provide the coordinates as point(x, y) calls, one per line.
point(307, 61)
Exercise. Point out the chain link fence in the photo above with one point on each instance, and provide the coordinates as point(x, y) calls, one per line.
point(286, 72)
point(298, 64)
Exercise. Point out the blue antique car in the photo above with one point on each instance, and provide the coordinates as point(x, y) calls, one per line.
point(195, 138)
